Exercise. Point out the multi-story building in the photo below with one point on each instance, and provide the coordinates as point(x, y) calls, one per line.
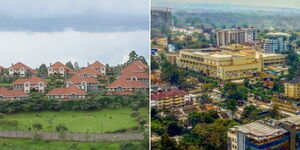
point(20, 69)
point(6, 94)
point(88, 84)
point(168, 99)
point(275, 45)
point(89, 72)
point(128, 86)
point(28, 85)
point(236, 36)
point(281, 134)
point(292, 88)
point(228, 62)
point(68, 93)
point(258, 135)
point(60, 69)
point(161, 17)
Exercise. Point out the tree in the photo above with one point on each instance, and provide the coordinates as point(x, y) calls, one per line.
point(154, 64)
point(61, 128)
point(167, 143)
point(70, 65)
point(173, 128)
point(76, 66)
point(42, 70)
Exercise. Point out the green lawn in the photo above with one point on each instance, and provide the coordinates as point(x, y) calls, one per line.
point(107, 120)
point(23, 144)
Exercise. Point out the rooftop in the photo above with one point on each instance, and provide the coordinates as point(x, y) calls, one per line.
point(295, 80)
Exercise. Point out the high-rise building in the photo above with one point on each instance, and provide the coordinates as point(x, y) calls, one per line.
point(275, 45)
point(236, 36)
point(161, 17)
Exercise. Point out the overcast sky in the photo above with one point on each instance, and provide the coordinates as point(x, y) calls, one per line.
point(44, 31)
point(265, 3)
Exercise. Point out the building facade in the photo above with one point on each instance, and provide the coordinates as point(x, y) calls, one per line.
point(6, 94)
point(88, 84)
point(68, 93)
point(228, 62)
point(60, 69)
point(236, 36)
point(292, 88)
point(168, 99)
point(28, 85)
point(20, 69)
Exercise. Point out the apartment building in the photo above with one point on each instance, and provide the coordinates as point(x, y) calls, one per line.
point(276, 42)
point(68, 93)
point(228, 62)
point(6, 94)
point(59, 68)
point(292, 88)
point(28, 85)
point(99, 67)
point(20, 69)
point(266, 134)
point(89, 72)
point(168, 99)
point(236, 36)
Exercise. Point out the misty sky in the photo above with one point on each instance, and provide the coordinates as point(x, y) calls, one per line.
point(265, 3)
point(44, 31)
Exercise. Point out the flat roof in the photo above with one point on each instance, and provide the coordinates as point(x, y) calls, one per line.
point(295, 120)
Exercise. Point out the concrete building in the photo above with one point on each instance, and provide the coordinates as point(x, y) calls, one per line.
point(292, 88)
point(228, 62)
point(28, 85)
point(20, 69)
point(281, 134)
point(236, 36)
point(168, 99)
point(276, 45)
point(161, 17)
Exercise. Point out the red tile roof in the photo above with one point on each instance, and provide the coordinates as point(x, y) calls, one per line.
point(78, 79)
point(89, 70)
point(127, 84)
point(97, 65)
point(129, 74)
point(67, 91)
point(165, 94)
point(58, 65)
point(2, 67)
point(31, 80)
point(136, 66)
point(21, 65)
point(10, 93)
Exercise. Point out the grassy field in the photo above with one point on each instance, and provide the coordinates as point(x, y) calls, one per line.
point(5, 84)
point(22, 144)
point(107, 120)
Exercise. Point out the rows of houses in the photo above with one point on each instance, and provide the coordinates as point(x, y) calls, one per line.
point(134, 77)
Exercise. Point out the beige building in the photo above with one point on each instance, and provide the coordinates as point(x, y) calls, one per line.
point(228, 62)
point(292, 88)
point(236, 36)
point(168, 99)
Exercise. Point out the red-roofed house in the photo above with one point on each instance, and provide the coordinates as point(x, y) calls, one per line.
point(6, 94)
point(89, 72)
point(168, 99)
point(30, 84)
point(71, 92)
point(136, 71)
point(136, 66)
point(1, 70)
point(20, 69)
point(127, 85)
point(99, 67)
point(60, 69)
point(88, 84)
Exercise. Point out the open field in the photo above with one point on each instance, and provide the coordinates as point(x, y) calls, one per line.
point(108, 120)
point(5, 84)
point(22, 144)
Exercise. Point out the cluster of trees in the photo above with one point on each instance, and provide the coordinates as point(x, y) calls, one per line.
point(208, 131)
point(40, 103)
point(252, 113)
point(293, 60)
